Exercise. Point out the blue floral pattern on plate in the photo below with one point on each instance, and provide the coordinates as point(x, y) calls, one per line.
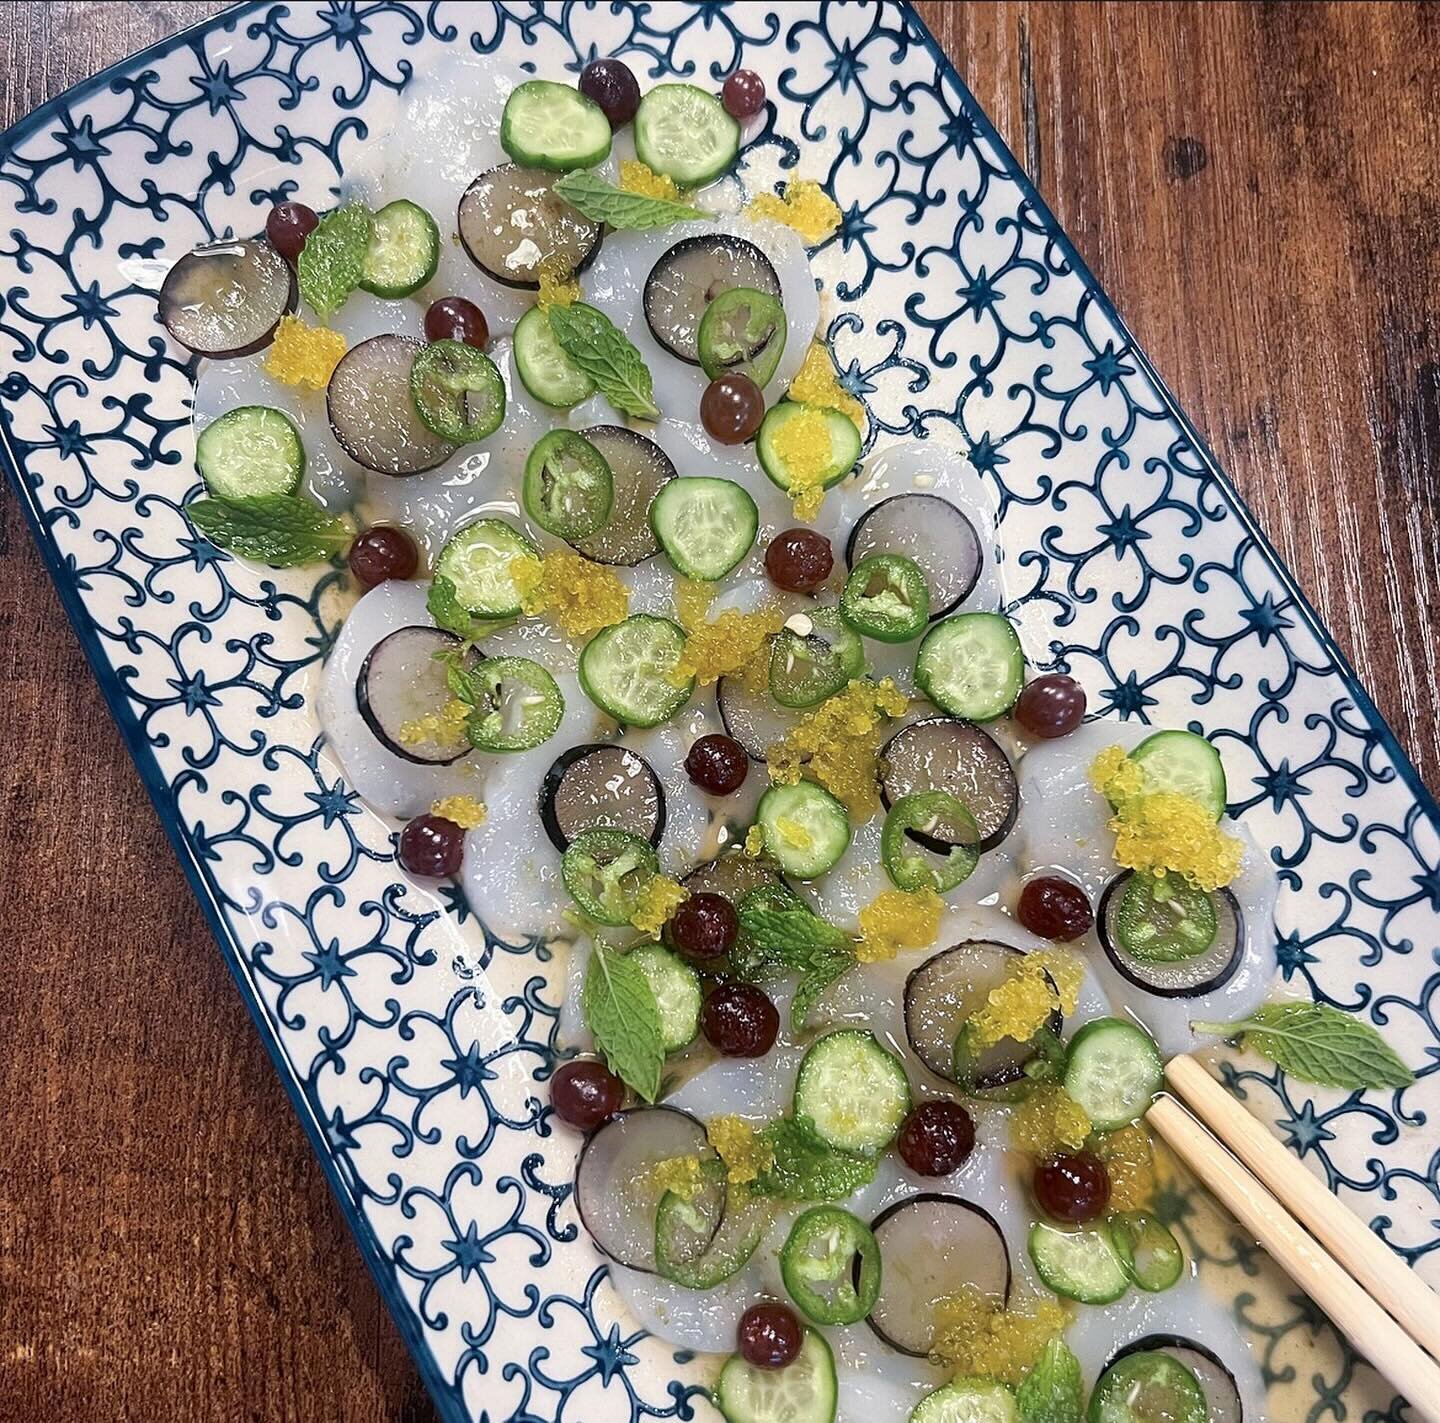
point(415, 1046)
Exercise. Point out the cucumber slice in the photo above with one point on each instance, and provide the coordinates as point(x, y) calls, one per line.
point(812, 657)
point(477, 561)
point(554, 126)
point(853, 1092)
point(403, 251)
point(1078, 1264)
point(568, 488)
point(250, 451)
point(806, 829)
point(1113, 1070)
point(458, 391)
point(544, 368)
point(971, 666)
point(1185, 763)
point(683, 132)
point(676, 987)
point(1149, 1387)
point(705, 526)
point(968, 1401)
point(626, 670)
point(1147, 1249)
point(804, 1391)
point(844, 442)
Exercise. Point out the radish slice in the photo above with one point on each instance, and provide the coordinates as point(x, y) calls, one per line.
point(732, 876)
point(226, 298)
point(403, 680)
point(942, 753)
point(639, 468)
point(755, 719)
point(372, 413)
point(601, 784)
point(1178, 978)
point(614, 1190)
point(512, 224)
point(941, 995)
point(1222, 1393)
point(932, 1244)
point(934, 534)
point(690, 276)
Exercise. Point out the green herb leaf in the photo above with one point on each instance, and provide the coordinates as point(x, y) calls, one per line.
point(607, 356)
point(450, 613)
point(633, 212)
point(1317, 1043)
point(826, 968)
point(779, 933)
point(620, 1010)
point(805, 1168)
point(332, 262)
point(279, 529)
point(1053, 1391)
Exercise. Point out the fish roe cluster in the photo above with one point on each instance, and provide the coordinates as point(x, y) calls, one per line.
point(806, 207)
point(677, 1174)
point(1048, 1121)
point(464, 810)
point(640, 178)
point(803, 444)
point(693, 597)
point(1115, 775)
point(556, 289)
point(898, 919)
point(754, 842)
point(441, 726)
point(818, 383)
point(1129, 1158)
point(659, 900)
point(977, 1337)
point(733, 643)
point(581, 596)
point(841, 737)
point(1035, 987)
point(304, 355)
point(744, 1151)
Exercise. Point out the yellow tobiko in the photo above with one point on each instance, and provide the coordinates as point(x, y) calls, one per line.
point(556, 289)
point(754, 842)
point(692, 597)
point(734, 642)
point(818, 383)
point(803, 446)
point(1048, 1121)
point(1035, 987)
point(978, 1337)
point(638, 177)
point(304, 355)
point(464, 810)
point(581, 596)
point(745, 1153)
point(1129, 1158)
point(442, 726)
point(806, 207)
point(678, 1174)
point(898, 919)
point(661, 898)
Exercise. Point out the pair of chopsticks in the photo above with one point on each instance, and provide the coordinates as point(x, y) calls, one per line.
point(1386, 1311)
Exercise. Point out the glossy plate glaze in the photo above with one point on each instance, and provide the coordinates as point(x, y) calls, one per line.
point(416, 1046)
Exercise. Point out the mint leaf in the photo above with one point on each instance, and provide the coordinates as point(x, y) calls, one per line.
point(620, 1010)
point(1317, 1043)
point(779, 933)
point(1053, 1391)
point(633, 212)
point(607, 356)
point(332, 261)
point(827, 966)
point(805, 1168)
point(279, 529)
point(450, 613)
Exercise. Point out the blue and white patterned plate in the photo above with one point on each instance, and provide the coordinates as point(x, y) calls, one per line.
point(414, 1046)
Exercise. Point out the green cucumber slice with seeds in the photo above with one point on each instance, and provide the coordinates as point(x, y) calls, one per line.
point(553, 126)
point(804, 1391)
point(676, 987)
point(1185, 763)
point(705, 526)
point(477, 561)
point(568, 488)
point(403, 251)
point(1078, 1264)
point(626, 670)
point(1148, 1387)
point(458, 391)
point(543, 366)
point(968, 1401)
point(250, 451)
point(853, 1092)
point(742, 330)
point(971, 666)
point(1113, 1069)
point(806, 829)
point(844, 442)
point(814, 656)
point(683, 132)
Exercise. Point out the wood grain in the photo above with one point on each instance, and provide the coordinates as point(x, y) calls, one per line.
point(1256, 186)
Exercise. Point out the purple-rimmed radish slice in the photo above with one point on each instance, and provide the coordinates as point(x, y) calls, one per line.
point(1171, 976)
point(226, 298)
point(373, 414)
point(401, 691)
point(601, 784)
point(512, 224)
point(753, 717)
point(615, 1188)
point(932, 1244)
point(931, 532)
point(940, 997)
point(942, 753)
point(731, 875)
point(638, 468)
point(1222, 1393)
point(690, 275)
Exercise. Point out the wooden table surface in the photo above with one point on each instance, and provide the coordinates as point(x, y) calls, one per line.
point(1257, 188)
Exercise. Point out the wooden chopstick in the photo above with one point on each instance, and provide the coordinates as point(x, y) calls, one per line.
point(1393, 1353)
point(1383, 1274)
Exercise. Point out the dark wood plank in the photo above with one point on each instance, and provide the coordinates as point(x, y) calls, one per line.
point(1255, 185)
